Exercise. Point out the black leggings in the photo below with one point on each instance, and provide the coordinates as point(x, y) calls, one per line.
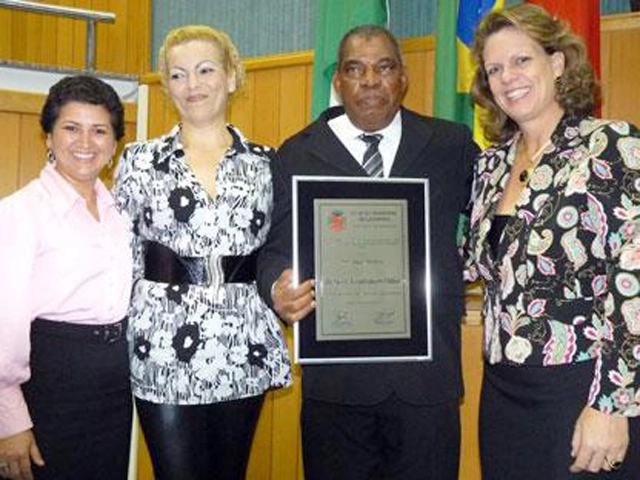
point(197, 442)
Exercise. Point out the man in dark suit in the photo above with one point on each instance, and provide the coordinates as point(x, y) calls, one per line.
point(390, 420)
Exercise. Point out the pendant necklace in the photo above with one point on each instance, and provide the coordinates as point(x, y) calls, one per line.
point(533, 161)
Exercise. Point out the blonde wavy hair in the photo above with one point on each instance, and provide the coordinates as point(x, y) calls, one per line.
point(222, 41)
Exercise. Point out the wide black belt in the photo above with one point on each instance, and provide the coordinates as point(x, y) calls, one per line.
point(161, 264)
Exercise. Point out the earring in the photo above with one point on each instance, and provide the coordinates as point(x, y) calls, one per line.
point(560, 84)
point(51, 158)
point(110, 163)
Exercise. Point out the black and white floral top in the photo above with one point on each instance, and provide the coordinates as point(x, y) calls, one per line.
point(192, 344)
point(564, 286)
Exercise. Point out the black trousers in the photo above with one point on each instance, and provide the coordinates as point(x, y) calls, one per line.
point(198, 442)
point(391, 440)
point(79, 398)
point(527, 418)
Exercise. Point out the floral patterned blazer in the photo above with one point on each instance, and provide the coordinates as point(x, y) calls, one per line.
point(564, 286)
point(193, 344)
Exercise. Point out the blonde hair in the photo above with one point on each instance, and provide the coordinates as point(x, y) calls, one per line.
point(181, 35)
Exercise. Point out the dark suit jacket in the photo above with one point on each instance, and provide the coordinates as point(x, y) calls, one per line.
point(429, 148)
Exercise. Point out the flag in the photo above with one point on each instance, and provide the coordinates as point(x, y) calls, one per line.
point(445, 95)
point(457, 22)
point(583, 17)
point(334, 19)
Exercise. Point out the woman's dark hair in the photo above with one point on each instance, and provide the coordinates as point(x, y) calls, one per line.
point(82, 89)
point(576, 90)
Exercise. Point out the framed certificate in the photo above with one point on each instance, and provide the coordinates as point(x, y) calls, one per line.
point(366, 244)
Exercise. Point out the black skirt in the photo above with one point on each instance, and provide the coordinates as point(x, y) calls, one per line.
point(527, 419)
point(79, 398)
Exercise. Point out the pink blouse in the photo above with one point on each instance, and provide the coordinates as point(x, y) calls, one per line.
point(56, 262)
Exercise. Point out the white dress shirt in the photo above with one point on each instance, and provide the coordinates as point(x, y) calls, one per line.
point(349, 135)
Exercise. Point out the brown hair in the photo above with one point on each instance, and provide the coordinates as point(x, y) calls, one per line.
point(576, 89)
point(187, 33)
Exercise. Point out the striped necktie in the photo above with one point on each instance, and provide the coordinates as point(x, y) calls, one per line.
point(372, 161)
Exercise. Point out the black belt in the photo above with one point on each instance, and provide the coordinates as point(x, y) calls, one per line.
point(161, 264)
point(105, 333)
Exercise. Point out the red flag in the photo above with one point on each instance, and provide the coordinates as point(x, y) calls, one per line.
point(583, 16)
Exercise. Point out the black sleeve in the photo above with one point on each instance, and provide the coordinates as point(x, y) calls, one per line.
point(276, 254)
point(467, 165)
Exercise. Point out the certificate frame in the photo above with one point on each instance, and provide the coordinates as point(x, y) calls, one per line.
point(409, 198)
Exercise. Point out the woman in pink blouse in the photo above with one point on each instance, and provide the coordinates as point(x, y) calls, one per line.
point(65, 281)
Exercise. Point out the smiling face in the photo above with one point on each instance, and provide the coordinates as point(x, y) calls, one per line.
point(522, 75)
point(197, 81)
point(82, 141)
point(371, 82)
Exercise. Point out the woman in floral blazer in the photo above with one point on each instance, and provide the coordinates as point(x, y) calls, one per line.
point(555, 238)
point(204, 347)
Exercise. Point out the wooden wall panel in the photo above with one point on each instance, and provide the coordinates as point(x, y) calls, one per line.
point(309, 91)
point(122, 47)
point(287, 446)
point(266, 107)
point(78, 35)
point(10, 154)
point(472, 374)
point(32, 149)
point(621, 67)
point(162, 115)
point(292, 114)
point(65, 37)
point(417, 52)
point(6, 21)
point(260, 462)
point(138, 37)
point(105, 33)
point(49, 31)
point(23, 143)
point(241, 108)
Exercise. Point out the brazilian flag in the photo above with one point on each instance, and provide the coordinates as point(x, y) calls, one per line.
point(457, 22)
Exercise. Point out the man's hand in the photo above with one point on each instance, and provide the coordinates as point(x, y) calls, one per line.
point(292, 303)
point(16, 454)
point(599, 442)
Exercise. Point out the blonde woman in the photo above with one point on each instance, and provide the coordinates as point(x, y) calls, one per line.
point(204, 347)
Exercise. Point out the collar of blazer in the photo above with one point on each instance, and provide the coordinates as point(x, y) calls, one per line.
point(502, 157)
point(323, 144)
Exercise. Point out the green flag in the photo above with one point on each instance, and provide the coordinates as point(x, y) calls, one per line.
point(445, 96)
point(334, 19)
point(457, 23)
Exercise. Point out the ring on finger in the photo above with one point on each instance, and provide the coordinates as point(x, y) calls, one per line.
point(613, 464)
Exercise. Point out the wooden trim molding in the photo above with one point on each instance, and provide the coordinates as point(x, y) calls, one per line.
point(292, 59)
point(304, 57)
point(31, 103)
point(20, 102)
point(622, 21)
